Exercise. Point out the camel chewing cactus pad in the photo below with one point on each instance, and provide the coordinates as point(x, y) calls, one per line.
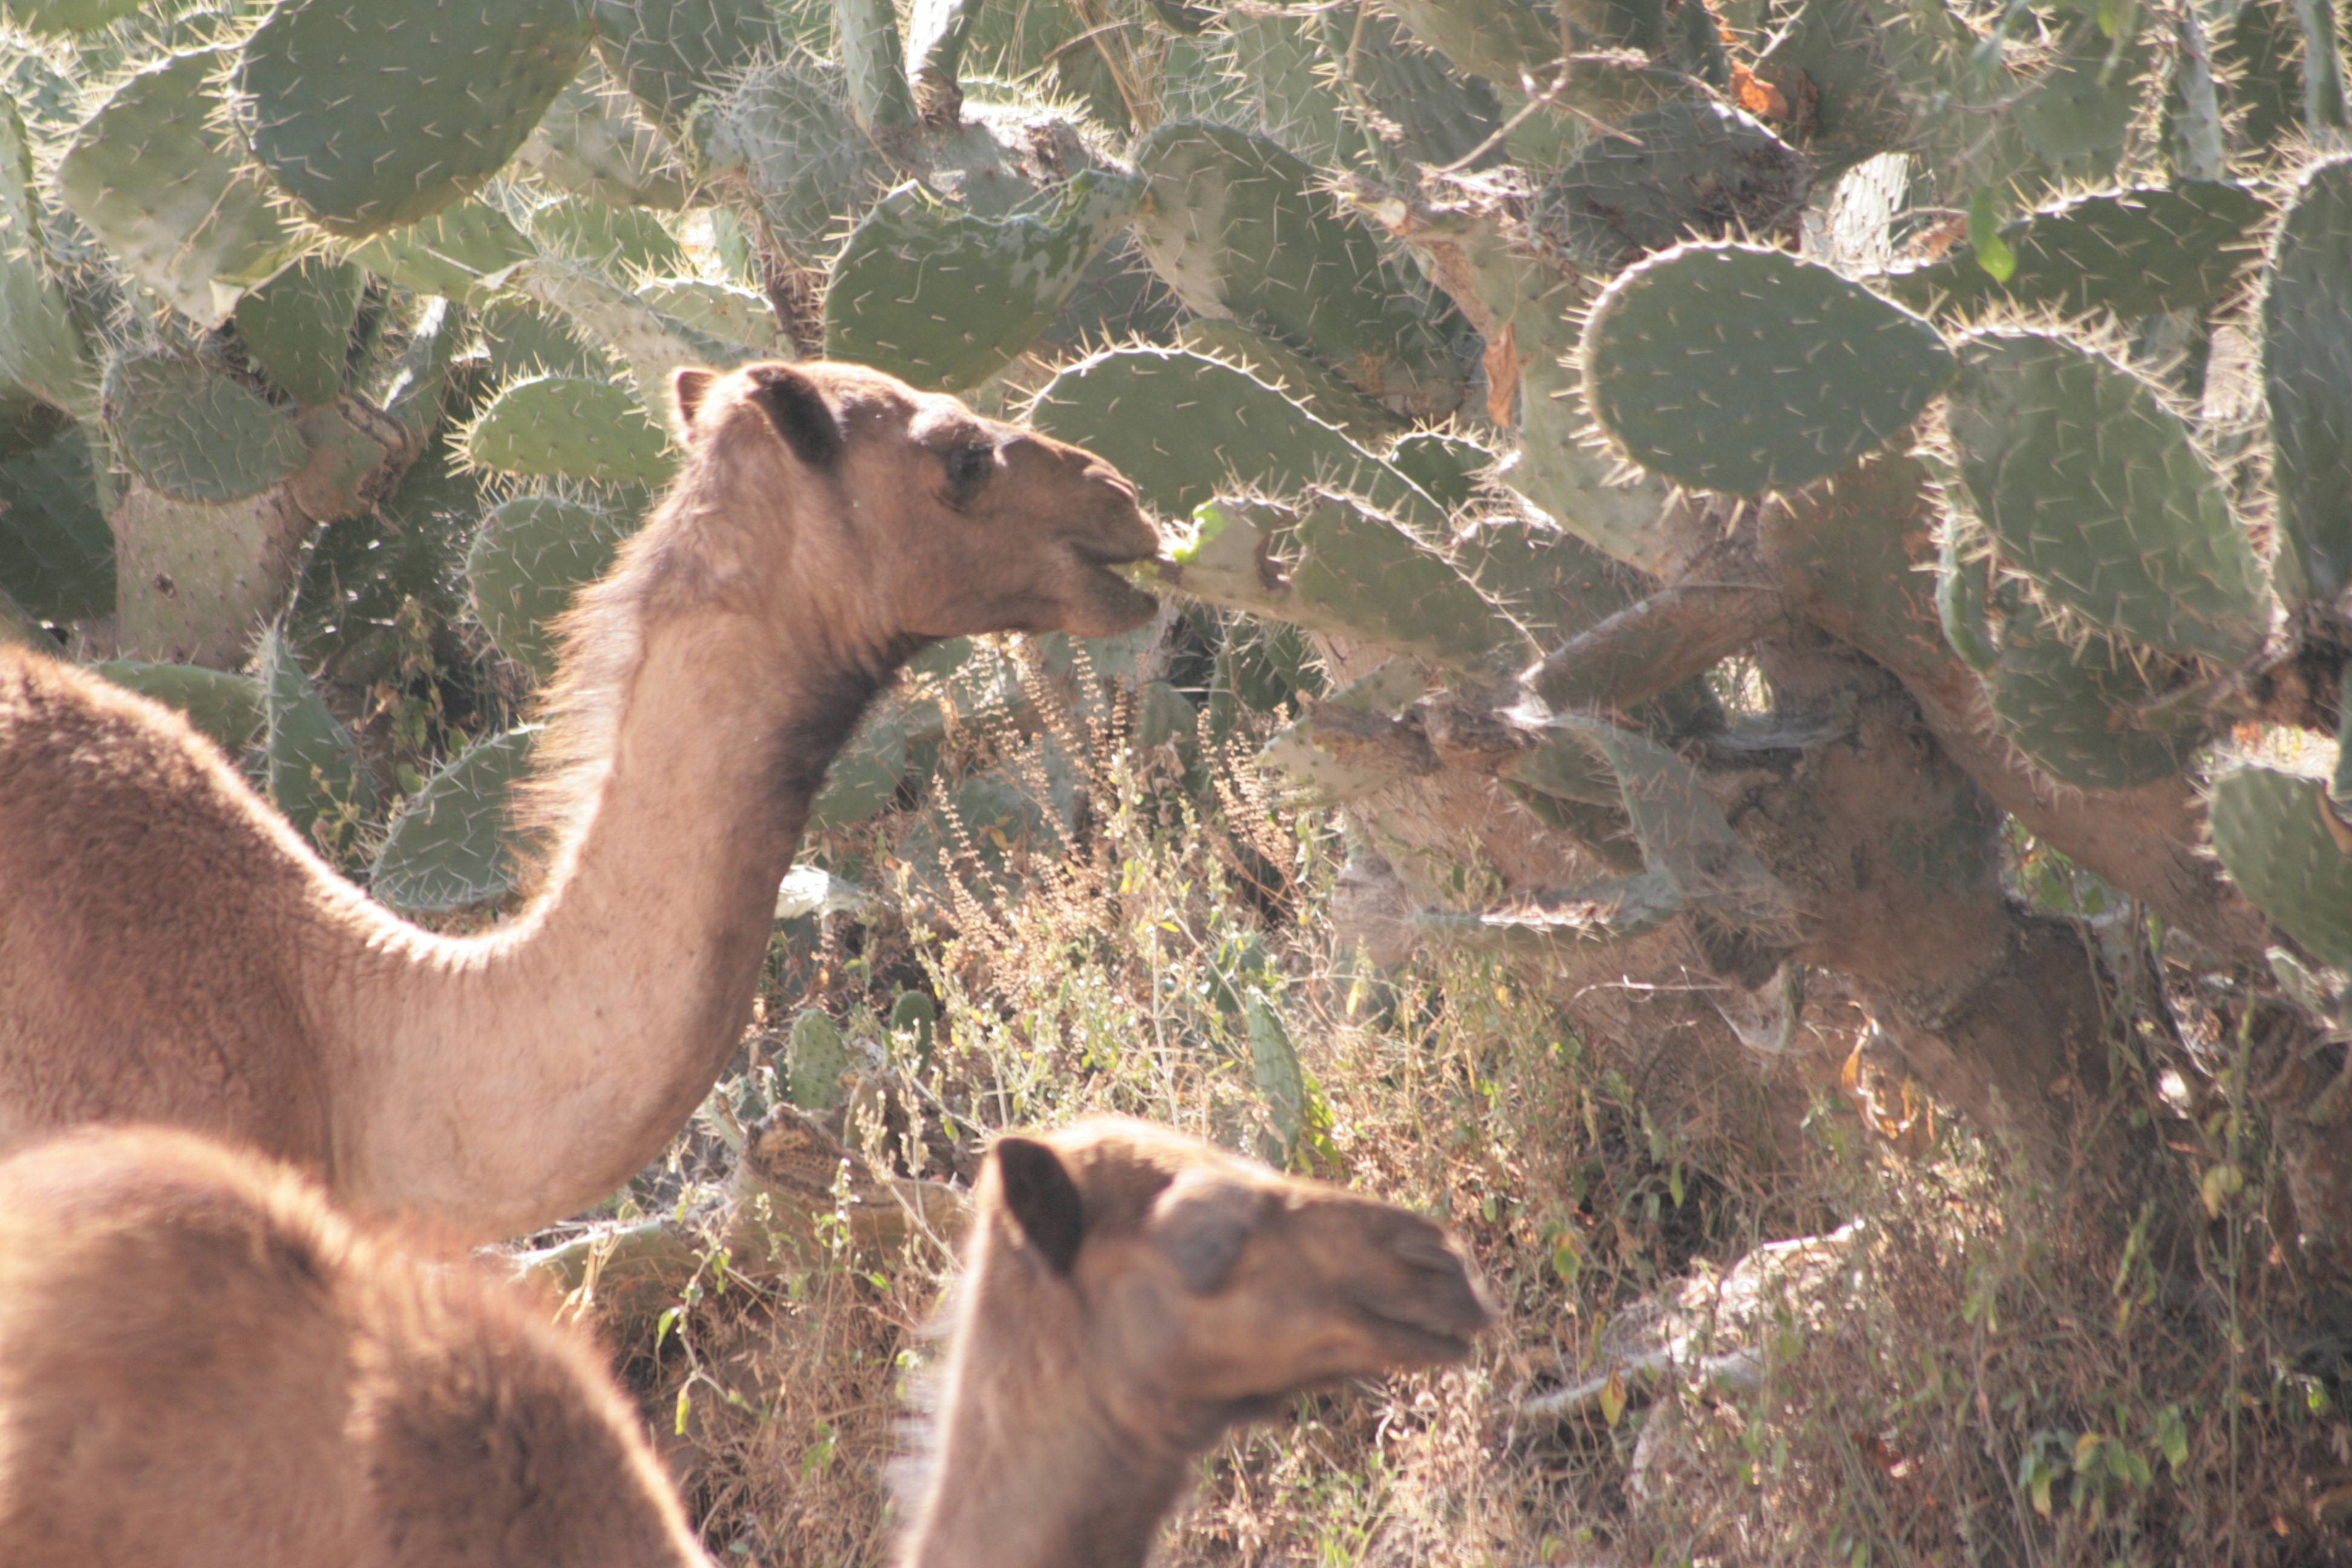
point(1733, 368)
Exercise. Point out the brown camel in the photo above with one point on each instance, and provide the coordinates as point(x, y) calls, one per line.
point(1127, 1294)
point(170, 951)
point(202, 1365)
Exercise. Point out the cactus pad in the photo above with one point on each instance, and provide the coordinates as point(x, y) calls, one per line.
point(2133, 253)
point(592, 143)
point(1237, 227)
point(1728, 367)
point(311, 761)
point(2282, 845)
point(529, 557)
point(449, 846)
point(671, 54)
point(784, 135)
point(551, 426)
point(226, 707)
point(2075, 710)
point(1681, 170)
point(40, 347)
point(67, 15)
point(863, 779)
point(449, 253)
point(719, 310)
point(944, 299)
point(56, 554)
point(464, 81)
point(183, 216)
point(195, 435)
point(2308, 375)
point(2094, 490)
point(1182, 426)
point(296, 328)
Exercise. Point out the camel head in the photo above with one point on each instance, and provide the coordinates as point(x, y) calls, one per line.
point(1199, 1287)
point(928, 521)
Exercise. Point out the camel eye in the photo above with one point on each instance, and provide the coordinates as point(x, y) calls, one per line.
point(968, 469)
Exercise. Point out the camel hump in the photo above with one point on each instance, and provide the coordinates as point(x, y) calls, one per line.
point(201, 1363)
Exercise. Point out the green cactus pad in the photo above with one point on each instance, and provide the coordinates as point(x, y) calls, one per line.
point(917, 1017)
point(532, 553)
point(1448, 468)
point(194, 434)
point(944, 299)
point(1183, 427)
point(463, 81)
point(187, 219)
point(1294, 375)
point(1681, 170)
point(296, 328)
point(814, 1060)
point(40, 347)
point(2075, 710)
point(553, 427)
point(1237, 227)
point(1502, 40)
point(1728, 367)
point(1274, 1064)
point(1551, 581)
point(311, 761)
point(592, 143)
point(621, 242)
point(227, 708)
point(863, 779)
point(784, 136)
point(2308, 377)
point(2133, 253)
point(671, 54)
point(449, 846)
point(56, 554)
point(1334, 566)
point(449, 253)
point(2271, 833)
point(2096, 490)
point(622, 323)
point(1326, 770)
point(67, 15)
point(720, 310)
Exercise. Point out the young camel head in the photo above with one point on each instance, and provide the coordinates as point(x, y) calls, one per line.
point(1129, 1293)
point(912, 517)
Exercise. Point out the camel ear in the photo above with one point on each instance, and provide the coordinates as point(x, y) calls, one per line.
point(1202, 1229)
point(688, 386)
point(1045, 1201)
point(797, 406)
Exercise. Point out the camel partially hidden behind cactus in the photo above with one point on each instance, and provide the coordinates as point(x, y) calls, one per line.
point(172, 951)
point(202, 1365)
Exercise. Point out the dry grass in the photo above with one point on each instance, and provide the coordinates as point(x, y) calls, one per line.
point(1981, 1380)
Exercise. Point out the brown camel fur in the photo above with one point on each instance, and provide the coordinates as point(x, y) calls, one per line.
point(170, 952)
point(1127, 1294)
point(202, 1366)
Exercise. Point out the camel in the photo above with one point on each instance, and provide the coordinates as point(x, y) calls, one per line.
point(1127, 1293)
point(172, 951)
point(202, 1365)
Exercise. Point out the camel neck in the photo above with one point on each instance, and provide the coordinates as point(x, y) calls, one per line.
point(1032, 1469)
point(519, 1077)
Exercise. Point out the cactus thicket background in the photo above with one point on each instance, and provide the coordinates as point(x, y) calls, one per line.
point(1751, 703)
